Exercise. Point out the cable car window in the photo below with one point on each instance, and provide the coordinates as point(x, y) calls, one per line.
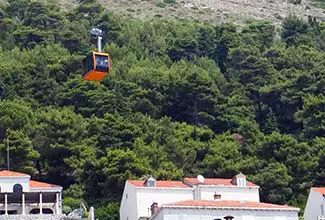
point(101, 63)
point(88, 64)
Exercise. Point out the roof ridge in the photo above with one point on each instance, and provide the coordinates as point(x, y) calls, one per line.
point(39, 184)
point(9, 173)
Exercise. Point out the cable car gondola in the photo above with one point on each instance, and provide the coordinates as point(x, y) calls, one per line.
point(97, 66)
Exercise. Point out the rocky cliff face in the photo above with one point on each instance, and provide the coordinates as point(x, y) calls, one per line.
point(217, 11)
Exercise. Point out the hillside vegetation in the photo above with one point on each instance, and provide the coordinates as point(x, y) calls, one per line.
point(213, 11)
point(183, 98)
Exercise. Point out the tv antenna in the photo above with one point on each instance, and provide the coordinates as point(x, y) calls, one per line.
point(8, 156)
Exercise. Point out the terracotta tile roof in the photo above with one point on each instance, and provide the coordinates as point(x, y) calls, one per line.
point(228, 204)
point(7, 173)
point(214, 181)
point(171, 184)
point(36, 184)
point(319, 189)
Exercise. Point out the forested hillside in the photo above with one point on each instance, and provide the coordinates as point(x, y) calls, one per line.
point(183, 98)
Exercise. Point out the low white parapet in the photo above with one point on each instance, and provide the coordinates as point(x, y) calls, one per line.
point(31, 217)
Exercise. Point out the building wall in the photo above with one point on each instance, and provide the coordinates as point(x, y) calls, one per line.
point(211, 214)
point(228, 193)
point(31, 217)
point(7, 184)
point(146, 196)
point(28, 207)
point(128, 207)
point(315, 206)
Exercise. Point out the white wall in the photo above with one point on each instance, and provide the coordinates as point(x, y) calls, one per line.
point(128, 207)
point(315, 206)
point(7, 183)
point(146, 196)
point(211, 214)
point(229, 193)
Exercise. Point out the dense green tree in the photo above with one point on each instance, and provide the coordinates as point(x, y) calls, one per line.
point(274, 181)
point(181, 98)
point(312, 116)
point(104, 178)
point(295, 31)
point(259, 34)
point(22, 154)
point(108, 212)
point(61, 139)
point(15, 115)
point(223, 158)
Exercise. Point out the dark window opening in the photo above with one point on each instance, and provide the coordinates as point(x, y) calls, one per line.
point(88, 64)
point(47, 211)
point(101, 63)
point(18, 188)
point(10, 212)
point(34, 211)
point(37, 211)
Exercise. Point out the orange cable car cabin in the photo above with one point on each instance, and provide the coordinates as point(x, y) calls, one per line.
point(97, 66)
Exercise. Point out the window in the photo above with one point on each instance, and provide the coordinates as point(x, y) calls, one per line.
point(88, 62)
point(126, 196)
point(229, 217)
point(101, 63)
point(18, 188)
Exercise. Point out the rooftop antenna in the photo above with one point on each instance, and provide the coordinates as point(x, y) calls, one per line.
point(200, 178)
point(97, 33)
point(8, 161)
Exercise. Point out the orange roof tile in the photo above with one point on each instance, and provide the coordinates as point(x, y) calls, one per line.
point(228, 204)
point(7, 173)
point(319, 189)
point(214, 181)
point(171, 184)
point(36, 184)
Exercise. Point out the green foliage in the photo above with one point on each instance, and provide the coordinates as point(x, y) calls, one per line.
point(182, 98)
point(312, 116)
point(170, 1)
point(295, 31)
point(108, 212)
point(275, 181)
point(22, 154)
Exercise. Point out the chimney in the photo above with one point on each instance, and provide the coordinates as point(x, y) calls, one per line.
point(151, 182)
point(154, 208)
point(239, 180)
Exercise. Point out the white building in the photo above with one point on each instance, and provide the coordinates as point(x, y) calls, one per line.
point(19, 195)
point(138, 196)
point(142, 199)
point(213, 210)
point(315, 207)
